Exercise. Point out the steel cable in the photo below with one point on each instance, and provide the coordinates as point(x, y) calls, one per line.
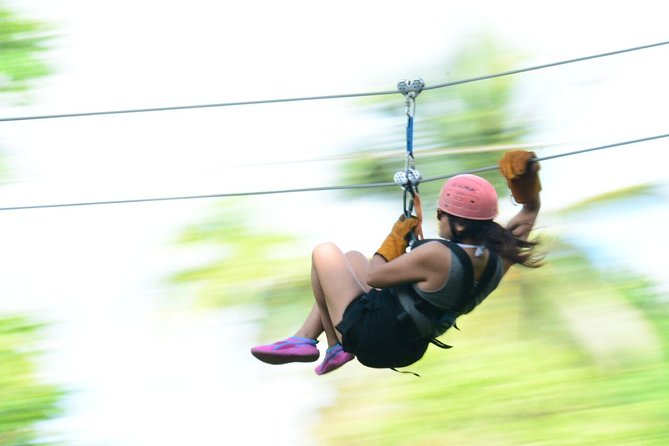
point(334, 96)
point(316, 189)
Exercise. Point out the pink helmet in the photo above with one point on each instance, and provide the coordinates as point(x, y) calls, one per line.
point(469, 196)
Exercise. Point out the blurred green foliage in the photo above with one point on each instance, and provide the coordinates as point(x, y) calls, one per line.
point(522, 373)
point(24, 400)
point(22, 43)
point(562, 355)
point(244, 265)
point(566, 354)
point(615, 197)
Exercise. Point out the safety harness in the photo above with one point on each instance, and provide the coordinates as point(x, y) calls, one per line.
point(409, 180)
point(470, 297)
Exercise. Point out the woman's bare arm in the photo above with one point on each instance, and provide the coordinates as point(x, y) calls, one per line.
point(523, 222)
point(426, 264)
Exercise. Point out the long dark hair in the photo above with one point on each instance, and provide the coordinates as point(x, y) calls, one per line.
point(496, 238)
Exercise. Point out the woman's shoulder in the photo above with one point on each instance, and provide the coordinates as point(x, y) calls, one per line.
point(433, 251)
point(431, 242)
point(434, 259)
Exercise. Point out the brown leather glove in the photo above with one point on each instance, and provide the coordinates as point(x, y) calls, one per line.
point(521, 175)
point(396, 243)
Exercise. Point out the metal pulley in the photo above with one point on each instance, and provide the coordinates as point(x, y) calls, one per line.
point(410, 88)
point(408, 179)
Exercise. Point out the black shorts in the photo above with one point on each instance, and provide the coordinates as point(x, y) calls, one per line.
point(376, 328)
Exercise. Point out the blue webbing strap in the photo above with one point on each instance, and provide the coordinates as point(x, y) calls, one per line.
point(410, 135)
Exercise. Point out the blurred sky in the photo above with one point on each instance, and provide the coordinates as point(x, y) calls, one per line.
point(98, 271)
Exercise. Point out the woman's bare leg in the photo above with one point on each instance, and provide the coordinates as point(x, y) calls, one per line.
point(319, 317)
point(312, 326)
point(336, 281)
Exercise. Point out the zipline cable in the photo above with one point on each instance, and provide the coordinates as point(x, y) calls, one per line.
point(550, 157)
point(335, 96)
point(317, 189)
point(541, 67)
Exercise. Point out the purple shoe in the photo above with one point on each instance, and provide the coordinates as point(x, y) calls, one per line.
point(335, 357)
point(292, 349)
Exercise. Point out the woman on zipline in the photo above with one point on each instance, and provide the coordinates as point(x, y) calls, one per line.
point(386, 311)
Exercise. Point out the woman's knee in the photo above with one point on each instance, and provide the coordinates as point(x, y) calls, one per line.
point(338, 273)
point(324, 251)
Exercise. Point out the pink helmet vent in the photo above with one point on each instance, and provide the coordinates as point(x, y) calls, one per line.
point(469, 196)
